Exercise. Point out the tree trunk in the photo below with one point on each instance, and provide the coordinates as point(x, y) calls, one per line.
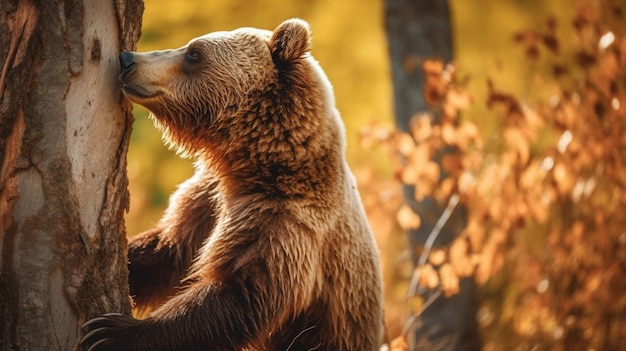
point(64, 132)
point(419, 30)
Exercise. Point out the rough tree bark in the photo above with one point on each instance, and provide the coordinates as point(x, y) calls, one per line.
point(419, 30)
point(64, 132)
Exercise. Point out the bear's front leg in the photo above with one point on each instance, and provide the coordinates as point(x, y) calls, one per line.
point(228, 316)
point(154, 269)
point(115, 331)
point(159, 258)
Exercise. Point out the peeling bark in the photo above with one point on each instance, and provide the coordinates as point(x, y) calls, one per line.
point(64, 133)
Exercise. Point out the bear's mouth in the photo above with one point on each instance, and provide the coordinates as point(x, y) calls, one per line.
point(138, 91)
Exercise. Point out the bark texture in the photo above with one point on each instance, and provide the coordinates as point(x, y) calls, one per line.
point(64, 132)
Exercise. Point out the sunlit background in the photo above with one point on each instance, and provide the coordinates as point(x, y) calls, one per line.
point(350, 43)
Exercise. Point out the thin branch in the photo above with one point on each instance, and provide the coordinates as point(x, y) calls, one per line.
point(430, 241)
point(415, 317)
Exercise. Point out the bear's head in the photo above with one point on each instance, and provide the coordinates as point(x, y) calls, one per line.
point(224, 83)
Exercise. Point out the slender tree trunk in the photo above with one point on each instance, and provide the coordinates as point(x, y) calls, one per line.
point(64, 132)
point(419, 30)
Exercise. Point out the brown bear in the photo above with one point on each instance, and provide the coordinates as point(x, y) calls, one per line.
point(267, 246)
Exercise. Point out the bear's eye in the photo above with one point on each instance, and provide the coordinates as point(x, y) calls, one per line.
point(192, 56)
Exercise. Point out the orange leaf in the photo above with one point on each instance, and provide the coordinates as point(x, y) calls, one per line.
point(449, 280)
point(516, 141)
point(448, 134)
point(408, 219)
point(437, 257)
point(428, 276)
point(459, 99)
point(421, 128)
point(476, 235)
point(410, 174)
point(459, 258)
point(404, 144)
point(563, 178)
point(399, 344)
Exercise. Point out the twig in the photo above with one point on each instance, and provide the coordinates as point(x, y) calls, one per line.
point(414, 318)
point(430, 241)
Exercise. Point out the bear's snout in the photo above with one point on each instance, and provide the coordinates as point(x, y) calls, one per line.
point(127, 61)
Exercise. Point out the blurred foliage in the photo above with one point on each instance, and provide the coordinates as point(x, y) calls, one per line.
point(545, 236)
point(349, 42)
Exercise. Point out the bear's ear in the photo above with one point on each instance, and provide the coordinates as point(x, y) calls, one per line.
point(290, 40)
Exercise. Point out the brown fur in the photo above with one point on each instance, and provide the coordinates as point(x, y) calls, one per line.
point(284, 259)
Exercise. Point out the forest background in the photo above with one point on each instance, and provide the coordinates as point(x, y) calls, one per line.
point(350, 43)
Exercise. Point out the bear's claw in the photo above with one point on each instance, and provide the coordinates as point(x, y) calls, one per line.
point(110, 331)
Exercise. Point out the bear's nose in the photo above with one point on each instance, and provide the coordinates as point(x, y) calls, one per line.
point(127, 60)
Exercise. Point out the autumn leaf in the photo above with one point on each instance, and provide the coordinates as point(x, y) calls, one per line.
point(399, 344)
point(448, 134)
point(475, 234)
point(449, 280)
point(459, 258)
point(544, 192)
point(404, 143)
point(516, 141)
point(456, 100)
point(407, 218)
point(563, 178)
point(437, 257)
point(421, 128)
point(428, 276)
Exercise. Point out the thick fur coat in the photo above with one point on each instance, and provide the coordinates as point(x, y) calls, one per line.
point(267, 246)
